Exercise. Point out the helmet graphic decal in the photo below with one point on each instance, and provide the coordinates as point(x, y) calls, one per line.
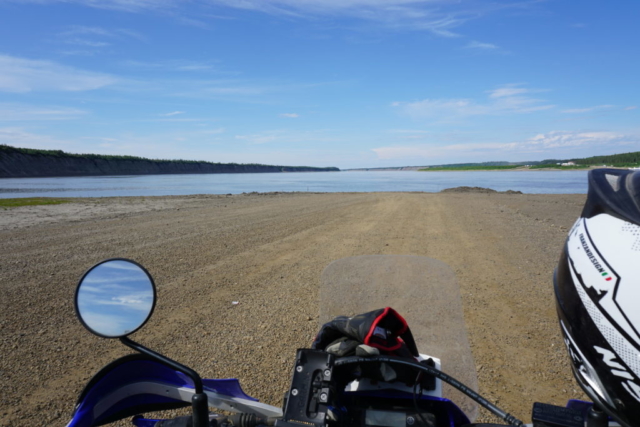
point(585, 374)
point(614, 295)
point(601, 298)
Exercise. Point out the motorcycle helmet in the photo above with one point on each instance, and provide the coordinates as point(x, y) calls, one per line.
point(597, 289)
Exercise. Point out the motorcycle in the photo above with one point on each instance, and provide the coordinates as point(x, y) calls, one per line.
point(372, 388)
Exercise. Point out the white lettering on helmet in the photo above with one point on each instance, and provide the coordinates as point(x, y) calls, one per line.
point(585, 373)
point(633, 389)
point(608, 357)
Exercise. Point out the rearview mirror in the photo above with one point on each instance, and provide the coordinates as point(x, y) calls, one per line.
point(115, 298)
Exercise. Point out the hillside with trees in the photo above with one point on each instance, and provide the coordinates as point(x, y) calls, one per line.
point(620, 160)
point(26, 162)
point(623, 160)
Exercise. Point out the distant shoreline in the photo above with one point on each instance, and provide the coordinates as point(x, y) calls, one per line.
point(517, 170)
point(476, 170)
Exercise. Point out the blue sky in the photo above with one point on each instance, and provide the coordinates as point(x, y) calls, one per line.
point(347, 83)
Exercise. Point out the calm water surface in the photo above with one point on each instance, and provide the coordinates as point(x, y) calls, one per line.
point(165, 185)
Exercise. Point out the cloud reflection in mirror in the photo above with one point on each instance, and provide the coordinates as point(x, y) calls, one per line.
point(115, 298)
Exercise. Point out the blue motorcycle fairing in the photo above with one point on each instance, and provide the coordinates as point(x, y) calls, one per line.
point(138, 383)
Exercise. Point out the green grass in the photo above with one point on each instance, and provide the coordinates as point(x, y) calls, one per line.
point(470, 168)
point(31, 201)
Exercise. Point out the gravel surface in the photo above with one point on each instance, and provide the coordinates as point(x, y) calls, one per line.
point(267, 252)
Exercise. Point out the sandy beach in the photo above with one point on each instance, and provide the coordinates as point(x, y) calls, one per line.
point(267, 252)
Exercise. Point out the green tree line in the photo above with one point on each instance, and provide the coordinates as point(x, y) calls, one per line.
point(7, 149)
point(624, 159)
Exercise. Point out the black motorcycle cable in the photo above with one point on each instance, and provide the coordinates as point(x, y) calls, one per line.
point(415, 399)
point(503, 415)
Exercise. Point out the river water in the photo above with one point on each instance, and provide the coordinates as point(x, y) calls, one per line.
point(561, 182)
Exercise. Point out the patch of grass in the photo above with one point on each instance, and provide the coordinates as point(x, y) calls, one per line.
point(31, 201)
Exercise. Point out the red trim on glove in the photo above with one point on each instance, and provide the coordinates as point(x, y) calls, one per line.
point(405, 326)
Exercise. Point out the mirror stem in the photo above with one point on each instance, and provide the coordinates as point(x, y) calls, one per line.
point(199, 401)
point(197, 381)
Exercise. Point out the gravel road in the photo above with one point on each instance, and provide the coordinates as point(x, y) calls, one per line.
point(267, 252)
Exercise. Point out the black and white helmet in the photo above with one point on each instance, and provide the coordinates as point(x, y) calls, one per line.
point(597, 287)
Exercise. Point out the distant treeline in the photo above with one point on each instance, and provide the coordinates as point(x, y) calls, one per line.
point(616, 160)
point(621, 160)
point(28, 162)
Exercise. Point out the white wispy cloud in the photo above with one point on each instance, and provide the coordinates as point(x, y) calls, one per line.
point(511, 90)
point(216, 131)
point(228, 89)
point(12, 112)
point(258, 138)
point(507, 99)
point(432, 152)
point(288, 136)
point(128, 33)
point(173, 113)
point(173, 65)
point(631, 107)
point(162, 145)
point(141, 144)
point(21, 75)
point(408, 131)
point(441, 17)
point(561, 139)
point(234, 89)
point(551, 142)
point(290, 115)
point(586, 110)
point(410, 134)
point(427, 15)
point(87, 43)
point(19, 137)
point(93, 39)
point(83, 30)
point(120, 5)
point(481, 46)
point(194, 67)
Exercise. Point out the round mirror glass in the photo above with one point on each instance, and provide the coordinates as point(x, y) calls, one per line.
point(115, 298)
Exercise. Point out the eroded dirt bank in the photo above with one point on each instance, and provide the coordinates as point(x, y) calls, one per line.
point(267, 252)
